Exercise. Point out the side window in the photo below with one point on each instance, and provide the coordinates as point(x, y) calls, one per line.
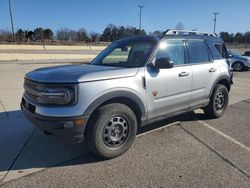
point(218, 50)
point(197, 51)
point(219, 47)
point(222, 50)
point(215, 49)
point(172, 49)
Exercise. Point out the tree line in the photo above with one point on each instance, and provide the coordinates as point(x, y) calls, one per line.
point(238, 38)
point(110, 33)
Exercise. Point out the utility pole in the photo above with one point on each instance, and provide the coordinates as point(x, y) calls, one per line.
point(12, 25)
point(215, 19)
point(140, 13)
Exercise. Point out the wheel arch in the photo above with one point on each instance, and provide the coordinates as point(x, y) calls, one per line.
point(124, 97)
point(238, 61)
point(223, 80)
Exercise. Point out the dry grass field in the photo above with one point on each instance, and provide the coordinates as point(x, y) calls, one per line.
point(47, 52)
point(49, 47)
point(21, 57)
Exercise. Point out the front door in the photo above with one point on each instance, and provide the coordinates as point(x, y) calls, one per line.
point(168, 90)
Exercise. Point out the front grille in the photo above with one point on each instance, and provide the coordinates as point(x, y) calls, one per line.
point(32, 91)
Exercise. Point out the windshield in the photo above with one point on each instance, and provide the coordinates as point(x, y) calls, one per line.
point(134, 54)
point(233, 53)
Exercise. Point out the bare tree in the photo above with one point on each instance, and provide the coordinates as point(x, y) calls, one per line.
point(63, 34)
point(179, 26)
point(94, 37)
point(5, 35)
point(157, 33)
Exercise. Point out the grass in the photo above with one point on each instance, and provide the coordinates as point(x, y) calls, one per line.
point(49, 47)
point(20, 56)
point(17, 56)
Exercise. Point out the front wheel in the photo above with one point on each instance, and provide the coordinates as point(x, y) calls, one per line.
point(218, 102)
point(112, 130)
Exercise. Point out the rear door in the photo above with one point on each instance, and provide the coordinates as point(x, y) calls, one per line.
point(205, 70)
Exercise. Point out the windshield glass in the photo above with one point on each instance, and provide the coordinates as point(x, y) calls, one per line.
point(233, 53)
point(128, 55)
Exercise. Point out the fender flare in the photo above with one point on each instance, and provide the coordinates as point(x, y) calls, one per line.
point(117, 94)
point(224, 77)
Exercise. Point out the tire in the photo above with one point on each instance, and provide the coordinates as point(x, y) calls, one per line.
point(111, 131)
point(218, 102)
point(238, 66)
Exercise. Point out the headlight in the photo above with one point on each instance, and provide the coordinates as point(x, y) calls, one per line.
point(60, 95)
point(50, 94)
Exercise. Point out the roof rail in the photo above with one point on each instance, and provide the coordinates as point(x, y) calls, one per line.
point(187, 32)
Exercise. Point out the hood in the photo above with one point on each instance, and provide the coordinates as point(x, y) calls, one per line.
point(239, 57)
point(246, 57)
point(79, 73)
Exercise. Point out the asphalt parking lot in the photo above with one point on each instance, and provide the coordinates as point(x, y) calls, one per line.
point(189, 150)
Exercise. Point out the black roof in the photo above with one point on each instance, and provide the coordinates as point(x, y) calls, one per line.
point(151, 39)
point(155, 39)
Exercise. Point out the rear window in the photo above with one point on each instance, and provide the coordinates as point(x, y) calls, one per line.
point(197, 51)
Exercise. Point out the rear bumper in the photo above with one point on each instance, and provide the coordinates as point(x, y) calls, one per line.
point(62, 127)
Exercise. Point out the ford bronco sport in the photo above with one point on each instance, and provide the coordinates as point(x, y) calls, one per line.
point(133, 82)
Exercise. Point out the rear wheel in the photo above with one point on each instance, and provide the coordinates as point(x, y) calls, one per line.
point(112, 130)
point(238, 66)
point(218, 102)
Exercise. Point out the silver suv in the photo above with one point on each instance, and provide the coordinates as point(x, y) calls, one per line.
point(133, 82)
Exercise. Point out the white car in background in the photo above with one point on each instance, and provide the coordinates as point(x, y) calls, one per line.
point(238, 62)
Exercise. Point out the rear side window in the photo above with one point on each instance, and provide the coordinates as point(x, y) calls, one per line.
point(221, 48)
point(218, 50)
point(197, 51)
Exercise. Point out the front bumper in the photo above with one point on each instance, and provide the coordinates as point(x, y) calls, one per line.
point(62, 127)
point(247, 65)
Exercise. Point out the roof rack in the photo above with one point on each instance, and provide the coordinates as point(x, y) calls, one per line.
point(187, 32)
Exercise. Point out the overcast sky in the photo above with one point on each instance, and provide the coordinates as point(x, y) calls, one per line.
point(94, 15)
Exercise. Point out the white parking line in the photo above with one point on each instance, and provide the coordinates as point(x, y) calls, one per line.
point(157, 129)
point(224, 135)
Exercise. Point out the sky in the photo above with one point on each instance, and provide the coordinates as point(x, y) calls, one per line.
point(95, 15)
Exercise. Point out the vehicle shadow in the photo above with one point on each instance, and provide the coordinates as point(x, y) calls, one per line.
point(189, 116)
point(25, 149)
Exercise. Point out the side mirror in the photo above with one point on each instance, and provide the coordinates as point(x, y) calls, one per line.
point(230, 55)
point(163, 63)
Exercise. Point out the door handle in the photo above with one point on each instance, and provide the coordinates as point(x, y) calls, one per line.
point(212, 70)
point(182, 74)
